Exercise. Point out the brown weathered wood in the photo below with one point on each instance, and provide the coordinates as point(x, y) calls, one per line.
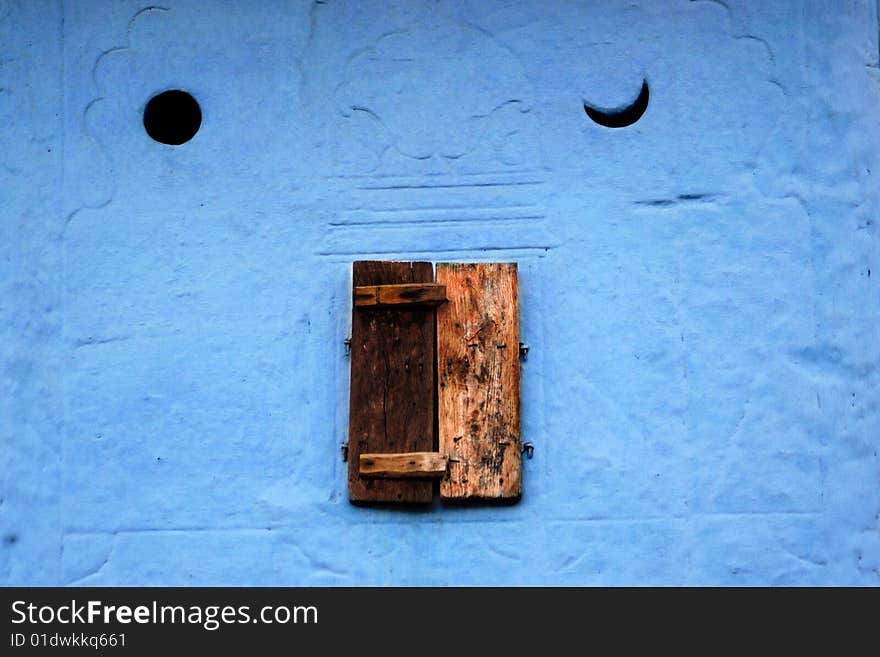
point(478, 381)
point(391, 406)
point(414, 465)
point(408, 294)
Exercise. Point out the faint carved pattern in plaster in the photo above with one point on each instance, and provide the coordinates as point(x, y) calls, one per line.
point(439, 89)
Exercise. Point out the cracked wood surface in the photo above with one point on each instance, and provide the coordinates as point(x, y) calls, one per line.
point(478, 381)
point(391, 406)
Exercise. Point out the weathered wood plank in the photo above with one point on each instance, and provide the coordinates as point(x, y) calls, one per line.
point(414, 465)
point(392, 383)
point(478, 377)
point(409, 294)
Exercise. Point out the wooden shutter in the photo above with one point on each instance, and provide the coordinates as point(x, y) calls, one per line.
point(478, 393)
point(434, 382)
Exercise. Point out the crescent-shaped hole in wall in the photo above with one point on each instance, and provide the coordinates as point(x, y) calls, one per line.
point(620, 117)
point(172, 117)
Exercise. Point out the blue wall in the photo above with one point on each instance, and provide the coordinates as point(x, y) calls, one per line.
point(697, 290)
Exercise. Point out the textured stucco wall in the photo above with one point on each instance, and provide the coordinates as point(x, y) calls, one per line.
point(697, 289)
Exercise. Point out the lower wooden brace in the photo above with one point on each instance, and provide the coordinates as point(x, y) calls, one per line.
point(409, 465)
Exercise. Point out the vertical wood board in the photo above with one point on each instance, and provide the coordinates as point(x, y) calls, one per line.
point(391, 407)
point(478, 381)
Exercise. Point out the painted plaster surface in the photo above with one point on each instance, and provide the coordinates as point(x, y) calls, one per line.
point(696, 289)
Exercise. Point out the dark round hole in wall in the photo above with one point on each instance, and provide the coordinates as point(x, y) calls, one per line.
point(172, 117)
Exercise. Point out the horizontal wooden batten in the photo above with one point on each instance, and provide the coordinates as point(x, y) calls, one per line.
point(401, 295)
point(411, 465)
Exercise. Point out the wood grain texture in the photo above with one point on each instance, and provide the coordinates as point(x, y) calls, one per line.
point(478, 381)
point(408, 294)
point(414, 465)
point(392, 383)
